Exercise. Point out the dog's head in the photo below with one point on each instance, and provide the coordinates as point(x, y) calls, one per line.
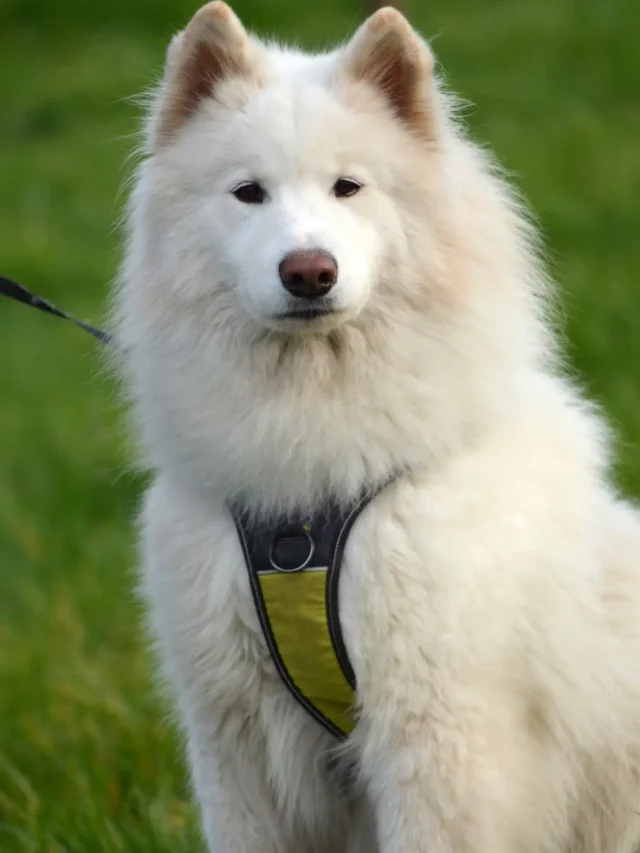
point(290, 181)
point(313, 238)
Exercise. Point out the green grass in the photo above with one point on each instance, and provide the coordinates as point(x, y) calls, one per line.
point(88, 760)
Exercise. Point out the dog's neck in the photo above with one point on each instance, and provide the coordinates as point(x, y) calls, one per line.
point(282, 422)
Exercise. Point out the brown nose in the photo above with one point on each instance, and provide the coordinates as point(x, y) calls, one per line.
point(308, 274)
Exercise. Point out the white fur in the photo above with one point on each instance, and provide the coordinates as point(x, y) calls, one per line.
point(491, 598)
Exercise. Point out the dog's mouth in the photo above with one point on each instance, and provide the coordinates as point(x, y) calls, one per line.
point(309, 312)
point(317, 316)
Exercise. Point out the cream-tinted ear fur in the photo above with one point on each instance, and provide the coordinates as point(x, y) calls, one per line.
point(387, 53)
point(213, 46)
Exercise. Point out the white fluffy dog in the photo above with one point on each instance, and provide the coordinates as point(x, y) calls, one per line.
point(325, 281)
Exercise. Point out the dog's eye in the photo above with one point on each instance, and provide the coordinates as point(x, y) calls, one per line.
point(250, 192)
point(345, 187)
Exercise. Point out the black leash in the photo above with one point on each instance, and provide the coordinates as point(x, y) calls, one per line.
point(21, 294)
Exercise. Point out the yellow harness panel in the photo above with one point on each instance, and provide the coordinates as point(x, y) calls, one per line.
point(295, 605)
point(294, 564)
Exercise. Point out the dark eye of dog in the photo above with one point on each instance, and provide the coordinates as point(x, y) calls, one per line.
point(345, 187)
point(250, 193)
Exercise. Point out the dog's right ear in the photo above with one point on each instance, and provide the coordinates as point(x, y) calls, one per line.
point(213, 46)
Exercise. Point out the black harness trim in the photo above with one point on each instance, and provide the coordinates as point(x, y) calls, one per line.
point(333, 579)
point(328, 531)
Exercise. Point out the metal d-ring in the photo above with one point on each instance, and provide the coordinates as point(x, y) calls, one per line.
point(299, 568)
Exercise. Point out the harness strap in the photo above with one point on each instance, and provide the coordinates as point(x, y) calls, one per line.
point(16, 291)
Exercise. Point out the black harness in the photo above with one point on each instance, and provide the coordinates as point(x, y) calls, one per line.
point(311, 547)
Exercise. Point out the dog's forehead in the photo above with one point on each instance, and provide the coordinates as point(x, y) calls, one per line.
point(296, 117)
point(296, 113)
point(298, 89)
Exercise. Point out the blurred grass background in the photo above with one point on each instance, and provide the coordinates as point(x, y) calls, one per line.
point(88, 761)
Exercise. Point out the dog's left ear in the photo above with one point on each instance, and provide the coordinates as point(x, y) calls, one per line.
point(388, 54)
